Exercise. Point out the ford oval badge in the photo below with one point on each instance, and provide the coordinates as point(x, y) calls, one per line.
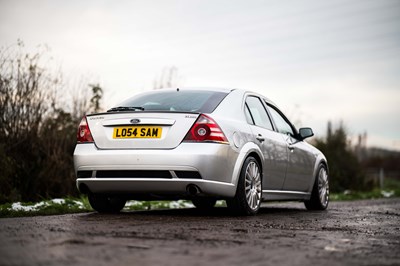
point(135, 121)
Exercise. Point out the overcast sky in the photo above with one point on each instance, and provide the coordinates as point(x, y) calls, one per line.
point(318, 60)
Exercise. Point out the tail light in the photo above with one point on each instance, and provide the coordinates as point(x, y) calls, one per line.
point(207, 130)
point(84, 135)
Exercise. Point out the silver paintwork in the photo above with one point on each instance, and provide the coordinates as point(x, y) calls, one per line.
point(215, 163)
point(288, 166)
point(175, 126)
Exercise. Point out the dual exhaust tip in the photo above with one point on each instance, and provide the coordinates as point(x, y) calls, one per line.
point(193, 190)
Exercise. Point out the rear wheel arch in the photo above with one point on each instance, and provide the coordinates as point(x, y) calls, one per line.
point(249, 149)
point(260, 163)
point(257, 157)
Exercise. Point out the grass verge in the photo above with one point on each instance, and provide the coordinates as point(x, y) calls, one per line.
point(79, 205)
point(46, 207)
point(391, 189)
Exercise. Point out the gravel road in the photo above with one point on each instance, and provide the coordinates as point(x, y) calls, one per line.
point(349, 233)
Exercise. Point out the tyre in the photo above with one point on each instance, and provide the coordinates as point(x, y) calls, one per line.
point(247, 200)
point(106, 204)
point(319, 199)
point(204, 203)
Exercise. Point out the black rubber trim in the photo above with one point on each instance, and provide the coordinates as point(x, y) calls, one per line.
point(84, 174)
point(132, 174)
point(188, 174)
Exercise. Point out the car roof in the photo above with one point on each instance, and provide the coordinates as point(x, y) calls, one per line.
point(216, 89)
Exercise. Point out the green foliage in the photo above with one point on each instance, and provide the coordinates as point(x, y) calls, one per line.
point(360, 195)
point(345, 171)
point(56, 174)
point(387, 160)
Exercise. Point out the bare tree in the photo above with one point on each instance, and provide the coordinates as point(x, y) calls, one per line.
point(37, 127)
point(79, 96)
point(97, 95)
point(169, 78)
point(26, 93)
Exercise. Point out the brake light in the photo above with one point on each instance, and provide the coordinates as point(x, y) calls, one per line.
point(84, 135)
point(205, 129)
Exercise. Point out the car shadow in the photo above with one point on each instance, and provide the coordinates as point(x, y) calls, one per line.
point(194, 212)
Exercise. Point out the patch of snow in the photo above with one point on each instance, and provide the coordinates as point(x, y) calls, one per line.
point(58, 201)
point(180, 204)
point(387, 194)
point(347, 192)
point(17, 206)
point(79, 203)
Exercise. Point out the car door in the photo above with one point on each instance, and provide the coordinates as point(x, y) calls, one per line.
point(300, 160)
point(273, 147)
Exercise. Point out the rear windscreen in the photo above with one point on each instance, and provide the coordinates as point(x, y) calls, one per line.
point(198, 101)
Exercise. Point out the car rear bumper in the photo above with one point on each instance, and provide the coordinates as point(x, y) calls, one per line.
point(161, 187)
point(213, 162)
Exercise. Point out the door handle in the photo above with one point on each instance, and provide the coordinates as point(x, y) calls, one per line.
point(290, 147)
point(260, 138)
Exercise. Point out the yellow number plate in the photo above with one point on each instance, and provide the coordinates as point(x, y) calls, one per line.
point(137, 133)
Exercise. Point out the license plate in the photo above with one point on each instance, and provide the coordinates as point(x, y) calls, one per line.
point(137, 133)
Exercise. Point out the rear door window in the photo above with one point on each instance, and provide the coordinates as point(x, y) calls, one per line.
point(258, 113)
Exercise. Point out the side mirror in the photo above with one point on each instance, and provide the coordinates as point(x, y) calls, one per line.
point(305, 132)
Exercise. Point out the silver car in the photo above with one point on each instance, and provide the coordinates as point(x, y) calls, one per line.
point(202, 145)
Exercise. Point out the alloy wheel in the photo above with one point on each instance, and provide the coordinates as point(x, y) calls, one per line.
point(323, 186)
point(253, 185)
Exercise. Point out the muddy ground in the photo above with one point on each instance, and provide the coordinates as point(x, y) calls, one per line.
point(349, 233)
